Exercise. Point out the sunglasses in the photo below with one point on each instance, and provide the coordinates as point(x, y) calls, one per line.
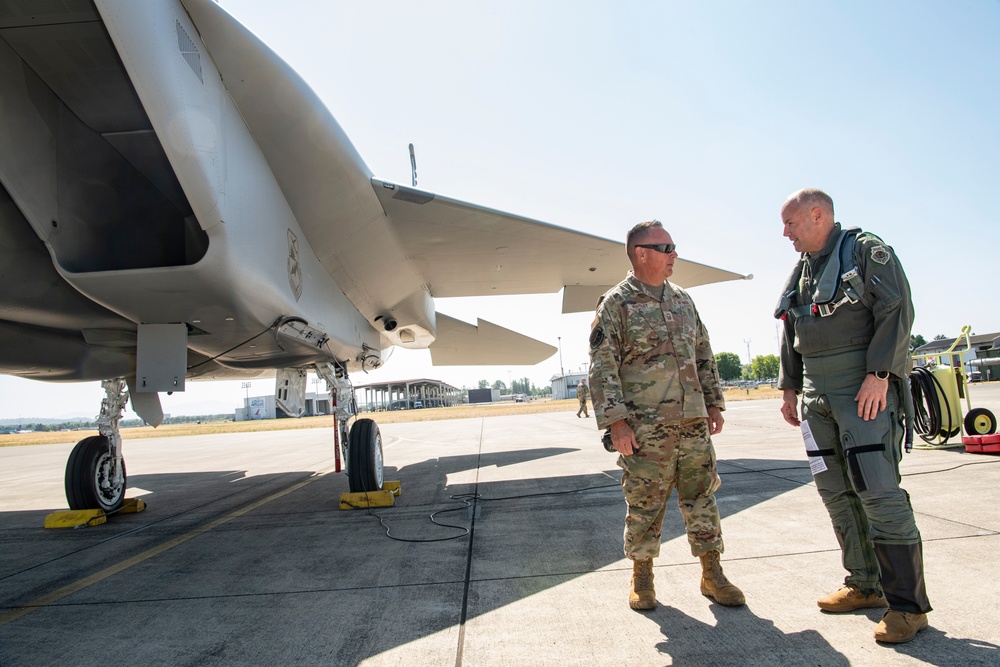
point(665, 248)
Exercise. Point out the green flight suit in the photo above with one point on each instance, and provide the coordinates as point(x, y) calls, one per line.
point(826, 359)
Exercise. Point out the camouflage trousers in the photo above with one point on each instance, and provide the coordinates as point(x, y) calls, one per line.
point(583, 408)
point(676, 454)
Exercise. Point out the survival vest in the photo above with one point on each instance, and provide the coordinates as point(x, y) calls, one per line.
point(839, 276)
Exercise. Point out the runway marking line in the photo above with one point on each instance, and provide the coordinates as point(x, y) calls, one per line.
point(76, 586)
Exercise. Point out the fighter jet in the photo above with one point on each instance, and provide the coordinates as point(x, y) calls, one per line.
point(177, 204)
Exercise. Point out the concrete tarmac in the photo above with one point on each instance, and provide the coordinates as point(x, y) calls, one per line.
point(504, 549)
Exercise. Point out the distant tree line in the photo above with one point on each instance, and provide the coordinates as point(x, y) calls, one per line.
point(91, 425)
point(761, 367)
point(767, 366)
point(521, 386)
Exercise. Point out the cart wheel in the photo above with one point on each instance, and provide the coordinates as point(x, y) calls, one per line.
point(980, 421)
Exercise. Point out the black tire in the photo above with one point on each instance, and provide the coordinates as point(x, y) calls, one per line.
point(980, 421)
point(364, 457)
point(86, 469)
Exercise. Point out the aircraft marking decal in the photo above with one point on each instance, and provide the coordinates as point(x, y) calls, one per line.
point(294, 270)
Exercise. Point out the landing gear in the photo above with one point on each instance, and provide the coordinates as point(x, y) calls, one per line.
point(361, 446)
point(93, 480)
point(95, 472)
point(364, 457)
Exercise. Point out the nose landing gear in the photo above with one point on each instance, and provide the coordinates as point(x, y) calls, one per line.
point(95, 471)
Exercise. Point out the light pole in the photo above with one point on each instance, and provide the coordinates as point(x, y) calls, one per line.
point(747, 341)
point(246, 407)
point(562, 373)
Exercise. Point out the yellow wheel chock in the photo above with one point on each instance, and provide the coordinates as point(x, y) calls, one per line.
point(87, 518)
point(366, 499)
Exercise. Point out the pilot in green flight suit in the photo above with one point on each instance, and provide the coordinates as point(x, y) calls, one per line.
point(845, 348)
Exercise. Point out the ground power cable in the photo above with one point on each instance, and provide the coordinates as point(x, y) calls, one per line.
point(469, 500)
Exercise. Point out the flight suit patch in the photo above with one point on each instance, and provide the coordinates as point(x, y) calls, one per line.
point(880, 255)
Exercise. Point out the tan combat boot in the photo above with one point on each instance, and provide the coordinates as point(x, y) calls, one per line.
point(642, 595)
point(850, 598)
point(898, 627)
point(714, 583)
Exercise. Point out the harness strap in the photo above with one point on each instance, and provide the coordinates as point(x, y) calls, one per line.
point(830, 282)
point(854, 451)
point(821, 452)
point(840, 263)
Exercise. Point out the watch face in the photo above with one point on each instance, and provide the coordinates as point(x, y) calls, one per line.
point(882, 375)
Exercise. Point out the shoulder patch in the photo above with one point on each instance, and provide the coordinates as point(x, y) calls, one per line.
point(596, 337)
point(880, 255)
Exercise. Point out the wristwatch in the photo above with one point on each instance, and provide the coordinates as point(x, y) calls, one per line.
point(881, 375)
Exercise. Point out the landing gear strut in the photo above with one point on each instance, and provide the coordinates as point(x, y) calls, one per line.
point(361, 445)
point(95, 472)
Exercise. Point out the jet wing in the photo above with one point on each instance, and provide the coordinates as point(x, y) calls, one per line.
point(462, 249)
point(436, 246)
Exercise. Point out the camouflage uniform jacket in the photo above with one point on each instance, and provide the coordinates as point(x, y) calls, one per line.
point(879, 322)
point(582, 391)
point(651, 359)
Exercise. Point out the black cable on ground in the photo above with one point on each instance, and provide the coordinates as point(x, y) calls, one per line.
point(467, 498)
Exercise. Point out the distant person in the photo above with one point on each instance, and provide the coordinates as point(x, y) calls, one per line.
point(845, 348)
point(654, 383)
point(582, 392)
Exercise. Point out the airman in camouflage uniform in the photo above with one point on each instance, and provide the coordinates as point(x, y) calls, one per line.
point(655, 385)
point(846, 350)
point(582, 392)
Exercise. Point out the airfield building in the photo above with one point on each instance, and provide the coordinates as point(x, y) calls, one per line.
point(564, 386)
point(981, 363)
point(406, 395)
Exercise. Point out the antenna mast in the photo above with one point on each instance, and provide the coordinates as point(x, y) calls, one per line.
point(413, 167)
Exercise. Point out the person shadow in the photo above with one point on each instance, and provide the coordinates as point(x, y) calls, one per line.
point(934, 647)
point(739, 638)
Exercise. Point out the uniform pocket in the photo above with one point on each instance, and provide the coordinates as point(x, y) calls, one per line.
point(641, 468)
point(871, 460)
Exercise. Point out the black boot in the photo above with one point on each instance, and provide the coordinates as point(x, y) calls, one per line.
point(902, 568)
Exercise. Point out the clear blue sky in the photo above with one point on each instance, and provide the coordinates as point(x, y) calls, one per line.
point(704, 115)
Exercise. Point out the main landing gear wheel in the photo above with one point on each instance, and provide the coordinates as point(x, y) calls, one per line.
point(980, 421)
point(364, 457)
point(91, 482)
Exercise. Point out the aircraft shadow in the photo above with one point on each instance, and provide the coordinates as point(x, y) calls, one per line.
point(308, 564)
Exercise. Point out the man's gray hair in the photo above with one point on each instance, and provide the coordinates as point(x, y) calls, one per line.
point(811, 197)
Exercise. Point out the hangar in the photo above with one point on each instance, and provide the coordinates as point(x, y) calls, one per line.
point(406, 395)
point(564, 386)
